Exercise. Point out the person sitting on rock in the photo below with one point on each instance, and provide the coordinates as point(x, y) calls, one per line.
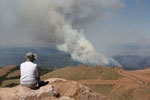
point(29, 72)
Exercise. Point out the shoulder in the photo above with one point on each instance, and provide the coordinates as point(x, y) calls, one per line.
point(28, 63)
point(22, 63)
point(34, 64)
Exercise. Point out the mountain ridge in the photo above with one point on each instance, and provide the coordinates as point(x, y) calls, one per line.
point(52, 57)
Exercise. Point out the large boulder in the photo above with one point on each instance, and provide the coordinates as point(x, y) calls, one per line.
point(57, 89)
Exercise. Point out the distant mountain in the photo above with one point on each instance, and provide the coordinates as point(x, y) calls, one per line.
point(51, 57)
point(133, 62)
point(47, 57)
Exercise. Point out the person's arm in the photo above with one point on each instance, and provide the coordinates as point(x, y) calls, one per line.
point(40, 83)
point(37, 75)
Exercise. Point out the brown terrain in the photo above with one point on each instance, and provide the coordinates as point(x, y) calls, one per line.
point(134, 85)
point(4, 70)
point(114, 83)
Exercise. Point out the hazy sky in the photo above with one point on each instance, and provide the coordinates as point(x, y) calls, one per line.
point(113, 26)
point(125, 31)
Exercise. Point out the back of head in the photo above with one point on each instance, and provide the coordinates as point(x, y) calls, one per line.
point(30, 56)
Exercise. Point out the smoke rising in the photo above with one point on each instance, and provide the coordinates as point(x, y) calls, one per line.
point(50, 22)
point(75, 42)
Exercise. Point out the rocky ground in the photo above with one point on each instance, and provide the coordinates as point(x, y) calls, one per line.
point(57, 89)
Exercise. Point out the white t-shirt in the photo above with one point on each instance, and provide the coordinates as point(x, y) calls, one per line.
point(29, 73)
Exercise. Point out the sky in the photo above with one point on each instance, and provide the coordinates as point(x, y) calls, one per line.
point(114, 27)
point(127, 32)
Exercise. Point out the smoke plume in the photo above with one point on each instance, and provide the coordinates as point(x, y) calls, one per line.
point(50, 22)
point(74, 42)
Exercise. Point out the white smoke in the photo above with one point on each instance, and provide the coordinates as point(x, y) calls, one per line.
point(80, 48)
point(75, 42)
point(50, 21)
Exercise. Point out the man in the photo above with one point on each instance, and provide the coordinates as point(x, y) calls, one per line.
point(29, 71)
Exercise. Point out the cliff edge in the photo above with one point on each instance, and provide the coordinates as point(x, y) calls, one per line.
point(57, 89)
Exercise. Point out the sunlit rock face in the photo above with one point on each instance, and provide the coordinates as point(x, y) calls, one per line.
point(57, 89)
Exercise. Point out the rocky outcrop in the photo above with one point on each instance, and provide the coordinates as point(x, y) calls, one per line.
point(57, 89)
